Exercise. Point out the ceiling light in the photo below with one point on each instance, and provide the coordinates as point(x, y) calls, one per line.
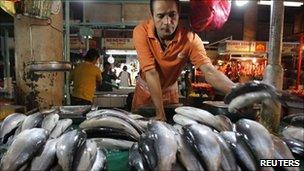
point(241, 2)
point(286, 3)
point(121, 52)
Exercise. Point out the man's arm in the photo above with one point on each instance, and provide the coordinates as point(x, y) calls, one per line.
point(153, 82)
point(216, 78)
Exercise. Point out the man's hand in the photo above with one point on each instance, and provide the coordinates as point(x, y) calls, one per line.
point(160, 115)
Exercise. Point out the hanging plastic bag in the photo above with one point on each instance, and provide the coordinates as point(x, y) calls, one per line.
point(209, 14)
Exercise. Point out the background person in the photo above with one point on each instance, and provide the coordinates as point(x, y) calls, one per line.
point(85, 77)
point(125, 77)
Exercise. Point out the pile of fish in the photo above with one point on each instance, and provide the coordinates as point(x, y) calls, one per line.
point(42, 141)
point(202, 141)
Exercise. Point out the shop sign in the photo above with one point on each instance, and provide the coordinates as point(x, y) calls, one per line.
point(118, 43)
point(290, 48)
point(239, 46)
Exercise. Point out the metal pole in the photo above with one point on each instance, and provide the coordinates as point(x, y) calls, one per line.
point(300, 61)
point(7, 55)
point(67, 50)
point(271, 112)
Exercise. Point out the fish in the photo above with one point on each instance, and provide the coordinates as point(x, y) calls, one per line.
point(224, 122)
point(135, 159)
point(50, 121)
point(199, 115)
point(249, 87)
point(186, 156)
point(104, 132)
point(178, 128)
point(147, 150)
point(32, 121)
point(23, 148)
point(47, 157)
point(296, 147)
point(109, 121)
point(67, 146)
point(247, 99)
point(9, 126)
point(61, 126)
point(242, 152)
point(100, 162)
point(294, 119)
point(118, 114)
point(113, 144)
point(85, 157)
point(228, 160)
point(292, 132)
point(282, 151)
point(257, 137)
point(165, 144)
point(183, 120)
point(135, 116)
point(202, 139)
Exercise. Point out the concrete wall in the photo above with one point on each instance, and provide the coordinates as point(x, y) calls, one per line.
point(36, 40)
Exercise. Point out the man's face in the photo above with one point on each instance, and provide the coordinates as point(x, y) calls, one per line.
point(165, 16)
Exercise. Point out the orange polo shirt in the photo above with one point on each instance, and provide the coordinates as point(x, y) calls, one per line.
point(85, 76)
point(185, 46)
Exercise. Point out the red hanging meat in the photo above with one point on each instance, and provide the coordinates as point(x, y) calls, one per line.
point(208, 14)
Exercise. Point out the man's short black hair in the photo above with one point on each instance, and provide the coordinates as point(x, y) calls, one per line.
point(92, 55)
point(152, 5)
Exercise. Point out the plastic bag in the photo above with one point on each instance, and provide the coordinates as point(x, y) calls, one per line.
point(209, 14)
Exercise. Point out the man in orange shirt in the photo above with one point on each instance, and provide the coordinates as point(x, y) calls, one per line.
point(163, 48)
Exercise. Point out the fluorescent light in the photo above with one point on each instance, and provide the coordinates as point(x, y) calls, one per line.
point(205, 42)
point(120, 52)
point(286, 3)
point(241, 2)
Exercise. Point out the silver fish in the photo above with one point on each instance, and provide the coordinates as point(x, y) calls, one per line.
point(50, 121)
point(109, 121)
point(100, 161)
point(136, 161)
point(203, 140)
point(199, 115)
point(292, 132)
point(46, 158)
point(224, 122)
point(115, 144)
point(247, 99)
point(186, 156)
point(135, 116)
point(23, 148)
point(183, 120)
point(147, 150)
point(228, 160)
point(118, 114)
point(282, 152)
point(32, 121)
point(165, 144)
point(9, 125)
point(241, 150)
point(257, 137)
point(61, 126)
point(67, 146)
point(86, 156)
